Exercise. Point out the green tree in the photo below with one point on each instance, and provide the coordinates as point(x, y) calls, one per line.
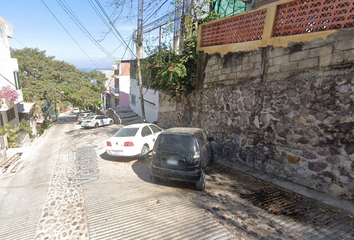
point(25, 125)
point(44, 79)
point(10, 133)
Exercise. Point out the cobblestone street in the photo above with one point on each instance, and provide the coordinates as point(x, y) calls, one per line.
point(91, 195)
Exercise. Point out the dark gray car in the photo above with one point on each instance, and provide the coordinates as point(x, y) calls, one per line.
point(181, 154)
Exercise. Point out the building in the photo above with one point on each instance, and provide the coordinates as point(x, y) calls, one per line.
point(151, 97)
point(9, 76)
point(111, 94)
point(11, 111)
point(117, 85)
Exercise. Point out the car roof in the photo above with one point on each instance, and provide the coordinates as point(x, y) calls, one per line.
point(138, 125)
point(182, 130)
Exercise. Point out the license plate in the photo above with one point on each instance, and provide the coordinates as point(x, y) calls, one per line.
point(118, 151)
point(172, 162)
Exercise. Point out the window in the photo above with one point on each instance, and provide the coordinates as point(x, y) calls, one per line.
point(17, 80)
point(133, 69)
point(1, 121)
point(10, 114)
point(133, 100)
point(155, 129)
point(146, 131)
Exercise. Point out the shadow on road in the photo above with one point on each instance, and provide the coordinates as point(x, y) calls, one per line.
point(142, 170)
point(107, 157)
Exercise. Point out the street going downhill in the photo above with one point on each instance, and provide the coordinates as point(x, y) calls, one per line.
point(70, 188)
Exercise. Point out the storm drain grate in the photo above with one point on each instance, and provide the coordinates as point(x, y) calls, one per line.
point(326, 221)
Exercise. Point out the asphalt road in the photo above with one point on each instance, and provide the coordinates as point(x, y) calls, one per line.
point(71, 189)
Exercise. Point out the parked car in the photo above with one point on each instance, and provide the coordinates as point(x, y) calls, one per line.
point(75, 110)
point(181, 154)
point(133, 140)
point(83, 116)
point(96, 121)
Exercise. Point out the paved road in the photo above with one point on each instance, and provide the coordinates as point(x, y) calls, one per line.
point(70, 189)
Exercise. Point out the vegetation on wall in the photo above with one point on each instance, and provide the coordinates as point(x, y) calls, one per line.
point(174, 72)
point(169, 72)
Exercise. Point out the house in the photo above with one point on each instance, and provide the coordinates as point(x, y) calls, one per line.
point(12, 109)
point(111, 94)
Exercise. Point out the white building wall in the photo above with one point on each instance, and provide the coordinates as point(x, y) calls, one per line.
point(8, 66)
point(151, 102)
point(124, 84)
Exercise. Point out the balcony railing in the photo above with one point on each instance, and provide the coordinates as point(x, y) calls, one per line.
point(299, 20)
point(114, 90)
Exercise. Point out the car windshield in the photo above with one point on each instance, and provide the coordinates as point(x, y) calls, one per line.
point(177, 143)
point(126, 132)
point(91, 117)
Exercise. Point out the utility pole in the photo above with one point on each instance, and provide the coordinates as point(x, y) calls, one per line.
point(139, 54)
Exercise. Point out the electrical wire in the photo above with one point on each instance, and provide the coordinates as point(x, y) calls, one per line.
point(78, 23)
point(113, 26)
point(67, 32)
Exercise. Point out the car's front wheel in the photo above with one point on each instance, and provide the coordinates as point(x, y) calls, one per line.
point(200, 185)
point(144, 152)
point(110, 122)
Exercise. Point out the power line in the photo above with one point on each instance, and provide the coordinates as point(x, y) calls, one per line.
point(68, 32)
point(113, 26)
point(109, 24)
point(78, 23)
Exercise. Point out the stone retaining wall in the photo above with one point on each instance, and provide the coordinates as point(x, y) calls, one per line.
point(285, 111)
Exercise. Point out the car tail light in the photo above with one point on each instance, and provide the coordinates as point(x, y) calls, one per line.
point(196, 158)
point(109, 144)
point(88, 121)
point(128, 144)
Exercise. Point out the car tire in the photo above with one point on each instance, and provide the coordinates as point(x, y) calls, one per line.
point(200, 185)
point(96, 125)
point(144, 152)
point(154, 179)
point(110, 122)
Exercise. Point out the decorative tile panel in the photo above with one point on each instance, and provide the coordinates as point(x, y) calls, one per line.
point(307, 16)
point(247, 27)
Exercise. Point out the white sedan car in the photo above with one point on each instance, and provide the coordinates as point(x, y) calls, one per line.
point(96, 121)
point(133, 140)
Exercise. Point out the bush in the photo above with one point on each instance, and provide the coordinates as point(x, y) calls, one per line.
point(25, 125)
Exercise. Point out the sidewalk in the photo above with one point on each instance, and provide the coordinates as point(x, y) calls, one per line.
point(291, 186)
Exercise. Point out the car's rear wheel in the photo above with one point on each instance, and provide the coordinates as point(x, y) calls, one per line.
point(200, 185)
point(96, 125)
point(144, 152)
point(110, 122)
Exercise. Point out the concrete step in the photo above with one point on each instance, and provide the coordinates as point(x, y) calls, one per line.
point(131, 120)
point(122, 110)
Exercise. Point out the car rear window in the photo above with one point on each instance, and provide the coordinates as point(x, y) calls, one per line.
point(126, 132)
point(179, 143)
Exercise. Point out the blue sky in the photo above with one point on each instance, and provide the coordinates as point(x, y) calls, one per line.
point(34, 26)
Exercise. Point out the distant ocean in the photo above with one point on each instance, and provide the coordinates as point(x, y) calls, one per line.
point(91, 69)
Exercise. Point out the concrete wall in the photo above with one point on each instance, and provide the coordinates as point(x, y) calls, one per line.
point(151, 102)
point(288, 111)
